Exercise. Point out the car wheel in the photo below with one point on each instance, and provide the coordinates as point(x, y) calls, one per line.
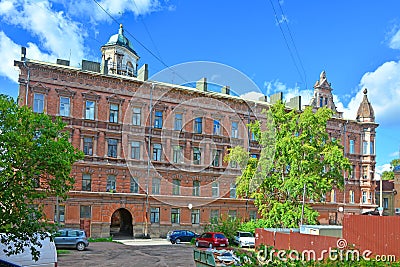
point(197, 244)
point(210, 245)
point(80, 246)
point(178, 241)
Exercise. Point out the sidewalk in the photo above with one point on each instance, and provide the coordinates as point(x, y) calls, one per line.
point(144, 242)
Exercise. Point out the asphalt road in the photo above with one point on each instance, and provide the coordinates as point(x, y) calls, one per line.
point(140, 253)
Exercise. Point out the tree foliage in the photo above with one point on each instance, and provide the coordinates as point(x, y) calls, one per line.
point(35, 163)
point(389, 175)
point(296, 152)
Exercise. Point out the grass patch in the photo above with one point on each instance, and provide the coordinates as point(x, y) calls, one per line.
point(63, 252)
point(101, 239)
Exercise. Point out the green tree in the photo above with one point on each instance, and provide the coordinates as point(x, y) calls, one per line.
point(35, 163)
point(296, 153)
point(389, 175)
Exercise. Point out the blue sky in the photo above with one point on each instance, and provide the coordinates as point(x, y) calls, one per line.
point(356, 42)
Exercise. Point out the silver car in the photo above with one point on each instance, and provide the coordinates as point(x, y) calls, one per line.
point(71, 238)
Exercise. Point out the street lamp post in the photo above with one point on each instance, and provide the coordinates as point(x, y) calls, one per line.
point(380, 208)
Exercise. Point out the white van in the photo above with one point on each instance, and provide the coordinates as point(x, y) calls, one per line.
point(48, 256)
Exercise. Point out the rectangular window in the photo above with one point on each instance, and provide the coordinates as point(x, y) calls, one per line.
point(158, 119)
point(88, 146)
point(89, 110)
point(111, 183)
point(233, 164)
point(235, 130)
point(85, 212)
point(178, 122)
point(64, 106)
point(232, 190)
point(214, 215)
point(61, 212)
point(385, 203)
point(135, 150)
point(364, 197)
point(216, 157)
point(38, 103)
point(176, 186)
point(215, 189)
point(232, 213)
point(86, 182)
point(371, 148)
point(154, 215)
point(321, 101)
point(114, 108)
point(353, 172)
point(196, 188)
point(136, 116)
point(351, 148)
point(333, 196)
point(155, 187)
point(351, 193)
point(253, 215)
point(217, 127)
point(112, 148)
point(134, 186)
point(157, 152)
point(177, 154)
point(365, 172)
point(175, 215)
point(196, 156)
point(198, 125)
point(195, 216)
point(365, 147)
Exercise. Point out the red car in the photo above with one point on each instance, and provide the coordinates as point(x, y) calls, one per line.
point(212, 239)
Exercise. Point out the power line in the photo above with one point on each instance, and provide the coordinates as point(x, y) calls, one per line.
point(140, 43)
point(286, 42)
point(147, 30)
point(294, 44)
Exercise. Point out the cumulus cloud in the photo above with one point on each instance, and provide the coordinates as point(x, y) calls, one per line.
point(115, 8)
point(14, 52)
point(57, 33)
point(382, 168)
point(383, 86)
point(276, 86)
point(394, 37)
point(252, 95)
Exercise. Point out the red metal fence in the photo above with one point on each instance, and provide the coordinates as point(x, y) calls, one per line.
point(378, 234)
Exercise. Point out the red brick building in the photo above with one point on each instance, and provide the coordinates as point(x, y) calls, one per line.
point(154, 151)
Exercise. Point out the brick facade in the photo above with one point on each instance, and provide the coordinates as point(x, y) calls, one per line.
point(118, 121)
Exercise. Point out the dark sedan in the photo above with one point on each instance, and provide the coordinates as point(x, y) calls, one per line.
point(178, 236)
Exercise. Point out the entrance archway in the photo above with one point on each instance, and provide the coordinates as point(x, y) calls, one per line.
point(121, 223)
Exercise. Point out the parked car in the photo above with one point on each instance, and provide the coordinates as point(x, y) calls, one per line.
point(212, 239)
point(178, 236)
point(71, 238)
point(244, 239)
point(47, 258)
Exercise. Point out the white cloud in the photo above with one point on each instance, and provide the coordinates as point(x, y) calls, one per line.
point(394, 154)
point(288, 92)
point(382, 168)
point(252, 95)
point(394, 37)
point(115, 8)
point(57, 33)
point(383, 86)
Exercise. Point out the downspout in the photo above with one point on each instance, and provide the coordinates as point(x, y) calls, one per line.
point(23, 59)
point(148, 161)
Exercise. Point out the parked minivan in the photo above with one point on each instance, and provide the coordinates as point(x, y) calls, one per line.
point(48, 255)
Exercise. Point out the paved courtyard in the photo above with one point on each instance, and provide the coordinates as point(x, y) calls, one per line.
point(141, 253)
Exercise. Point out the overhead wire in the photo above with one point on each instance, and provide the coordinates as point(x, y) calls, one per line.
point(140, 43)
point(293, 42)
point(286, 42)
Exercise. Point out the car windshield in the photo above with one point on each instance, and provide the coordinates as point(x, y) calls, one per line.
point(219, 236)
point(246, 235)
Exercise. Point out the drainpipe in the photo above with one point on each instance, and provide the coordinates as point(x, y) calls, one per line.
point(148, 162)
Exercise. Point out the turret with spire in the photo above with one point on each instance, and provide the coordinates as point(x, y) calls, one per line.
point(118, 55)
point(365, 111)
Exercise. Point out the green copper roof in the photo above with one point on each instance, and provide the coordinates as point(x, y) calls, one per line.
point(120, 39)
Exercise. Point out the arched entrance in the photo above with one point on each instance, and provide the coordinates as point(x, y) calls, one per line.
point(121, 223)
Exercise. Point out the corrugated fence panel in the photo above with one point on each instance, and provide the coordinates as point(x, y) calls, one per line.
point(379, 234)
